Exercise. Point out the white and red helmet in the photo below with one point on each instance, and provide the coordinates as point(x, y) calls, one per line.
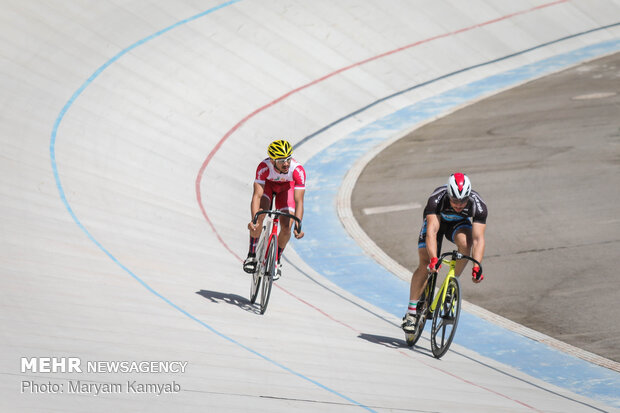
point(459, 186)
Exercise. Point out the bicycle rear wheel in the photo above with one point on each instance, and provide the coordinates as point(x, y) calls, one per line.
point(423, 304)
point(256, 277)
point(254, 285)
point(268, 277)
point(446, 318)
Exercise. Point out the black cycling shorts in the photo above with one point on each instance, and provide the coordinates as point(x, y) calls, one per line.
point(446, 228)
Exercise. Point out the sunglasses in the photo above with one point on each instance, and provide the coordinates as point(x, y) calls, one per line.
point(283, 160)
point(459, 201)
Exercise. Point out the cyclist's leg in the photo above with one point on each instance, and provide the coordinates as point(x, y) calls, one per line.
point(285, 202)
point(418, 281)
point(265, 204)
point(462, 238)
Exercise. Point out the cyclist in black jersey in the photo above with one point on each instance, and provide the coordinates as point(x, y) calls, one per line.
point(458, 213)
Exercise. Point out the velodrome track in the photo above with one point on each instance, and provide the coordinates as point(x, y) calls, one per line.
point(130, 137)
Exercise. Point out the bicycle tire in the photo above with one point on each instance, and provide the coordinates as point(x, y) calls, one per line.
point(254, 285)
point(446, 319)
point(412, 338)
point(268, 276)
point(256, 276)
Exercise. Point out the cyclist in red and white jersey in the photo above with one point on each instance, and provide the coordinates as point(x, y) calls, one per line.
point(458, 213)
point(284, 178)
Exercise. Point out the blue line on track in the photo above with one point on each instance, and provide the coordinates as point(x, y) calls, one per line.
point(63, 197)
point(331, 251)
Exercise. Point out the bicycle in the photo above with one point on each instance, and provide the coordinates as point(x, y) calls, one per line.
point(444, 308)
point(267, 255)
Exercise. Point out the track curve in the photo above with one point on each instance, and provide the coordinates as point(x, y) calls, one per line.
point(158, 85)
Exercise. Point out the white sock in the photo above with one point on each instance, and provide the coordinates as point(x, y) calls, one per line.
point(412, 307)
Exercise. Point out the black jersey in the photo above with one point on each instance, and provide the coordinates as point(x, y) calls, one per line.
point(439, 204)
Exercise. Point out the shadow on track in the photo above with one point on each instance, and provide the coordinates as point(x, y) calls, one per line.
point(392, 342)
point(234, 299)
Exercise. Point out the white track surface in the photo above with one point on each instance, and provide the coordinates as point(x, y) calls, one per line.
point(122, 240)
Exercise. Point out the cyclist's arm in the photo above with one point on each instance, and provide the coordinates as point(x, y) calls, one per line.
point(432, 228)
point(256, 197)
point(478, 241)
point(299, 205)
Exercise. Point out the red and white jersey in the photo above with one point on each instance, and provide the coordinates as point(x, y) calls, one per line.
point(267, 172)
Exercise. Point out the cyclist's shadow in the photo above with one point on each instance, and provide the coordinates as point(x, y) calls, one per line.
point(234, 299)
point(393, 342)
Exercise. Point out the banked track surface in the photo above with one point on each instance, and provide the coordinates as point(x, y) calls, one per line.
point(91, 312)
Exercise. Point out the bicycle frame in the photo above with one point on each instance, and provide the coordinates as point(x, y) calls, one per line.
point(275, 221)
point(441, 296)
point(272, 237)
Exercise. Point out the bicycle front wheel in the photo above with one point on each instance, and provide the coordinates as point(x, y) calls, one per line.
point(446, 318)
point(268, 277)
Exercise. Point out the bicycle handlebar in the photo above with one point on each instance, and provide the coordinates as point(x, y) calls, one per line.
point(458, 256)
point(278, 213)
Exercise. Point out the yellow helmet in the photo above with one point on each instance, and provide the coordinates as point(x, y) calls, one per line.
point(279, 149)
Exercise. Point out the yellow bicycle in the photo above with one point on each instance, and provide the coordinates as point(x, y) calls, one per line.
point(443, 308)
